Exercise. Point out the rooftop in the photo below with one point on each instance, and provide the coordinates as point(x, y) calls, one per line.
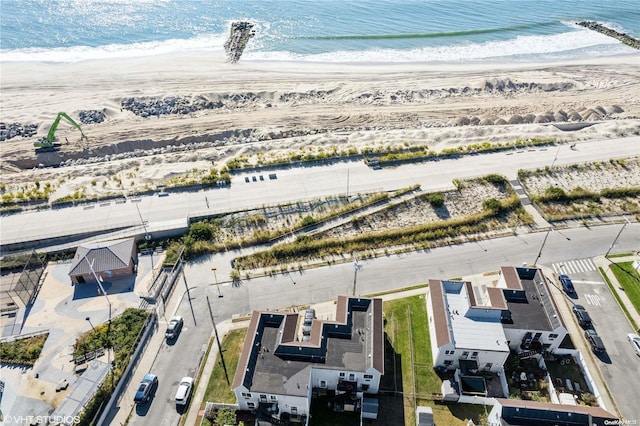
point(274, 361)
point(528, 300)
point(472, 327)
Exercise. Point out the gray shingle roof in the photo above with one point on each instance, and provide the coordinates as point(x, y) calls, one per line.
point(105, 256)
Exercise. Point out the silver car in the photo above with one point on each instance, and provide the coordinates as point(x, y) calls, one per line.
point(184, 391)
point(634, 339)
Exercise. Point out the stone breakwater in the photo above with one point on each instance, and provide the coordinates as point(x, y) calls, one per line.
point(625, 38)
point(240, 34)
point(169, 105)
point(13, 130)
point(91, 116)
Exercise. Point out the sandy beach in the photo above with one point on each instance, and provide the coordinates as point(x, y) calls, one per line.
point(261, 108)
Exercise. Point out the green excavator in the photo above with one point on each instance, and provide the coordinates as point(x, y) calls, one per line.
point(48, 144)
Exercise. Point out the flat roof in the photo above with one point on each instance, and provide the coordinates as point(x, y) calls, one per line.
point(534, 308)
point(469, 330)
point(274, 361)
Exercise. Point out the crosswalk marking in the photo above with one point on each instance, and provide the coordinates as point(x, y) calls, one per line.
point(574, 266)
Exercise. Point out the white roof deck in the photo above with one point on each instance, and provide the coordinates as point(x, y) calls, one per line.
point(473, 333)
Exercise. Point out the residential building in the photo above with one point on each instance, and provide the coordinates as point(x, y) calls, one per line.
point(278, 372)
point(507, 412)
point(475, 327)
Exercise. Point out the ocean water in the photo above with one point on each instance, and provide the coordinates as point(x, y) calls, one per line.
point(344, 31)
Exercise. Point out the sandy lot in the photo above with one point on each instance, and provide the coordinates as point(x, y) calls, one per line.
point(257, 108)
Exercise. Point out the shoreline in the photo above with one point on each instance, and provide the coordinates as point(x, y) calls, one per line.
point(218, 60)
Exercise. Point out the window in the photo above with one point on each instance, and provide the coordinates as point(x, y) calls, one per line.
point(474, 355)
point(552, 336)
point(251, 404)
point(294, 410)
point(365, 387)
point(488, 366)
point(368, 376)
point(323, 383)
point(448, 362)
point(465, 354)
point(246, 395)
point(342, 374)
point(273, 397)
point(352, 376)
point(263, 398)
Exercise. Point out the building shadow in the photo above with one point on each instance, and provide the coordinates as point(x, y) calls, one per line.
point(113, 286)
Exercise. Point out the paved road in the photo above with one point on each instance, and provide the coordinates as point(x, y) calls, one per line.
point(619, 366)
point(323, 284)
point(302, 183)
point(176, 359)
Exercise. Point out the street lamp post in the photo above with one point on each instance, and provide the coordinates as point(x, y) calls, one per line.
point(89, 319)
point(217, 284)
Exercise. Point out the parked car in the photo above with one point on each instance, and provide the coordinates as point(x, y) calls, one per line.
point(174, 327)
point(145, 391)
point(635, 342)
point(184, 390)
point(594, 340)
point(584, 319)
point(567, 284)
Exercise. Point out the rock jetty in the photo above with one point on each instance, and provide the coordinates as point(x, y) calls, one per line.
point(240, 34)
point(625, 38)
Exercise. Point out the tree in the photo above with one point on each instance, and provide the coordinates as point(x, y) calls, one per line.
point(201, 231)
point(226, 416)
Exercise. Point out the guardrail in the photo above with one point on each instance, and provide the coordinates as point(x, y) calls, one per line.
point(23, 336)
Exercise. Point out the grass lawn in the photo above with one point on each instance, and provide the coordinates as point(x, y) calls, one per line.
point(218, 390)
point(406, 326)
point(629, 279)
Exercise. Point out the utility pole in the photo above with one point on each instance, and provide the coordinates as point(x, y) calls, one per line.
point(356, 268)
point(541, 247)
point(109, 323)
point(217, 285)
point(617, 236)
point(224, 366)
point(347, 185)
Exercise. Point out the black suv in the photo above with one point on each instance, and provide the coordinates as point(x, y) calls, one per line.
point(584, 319)
point(594, 340)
